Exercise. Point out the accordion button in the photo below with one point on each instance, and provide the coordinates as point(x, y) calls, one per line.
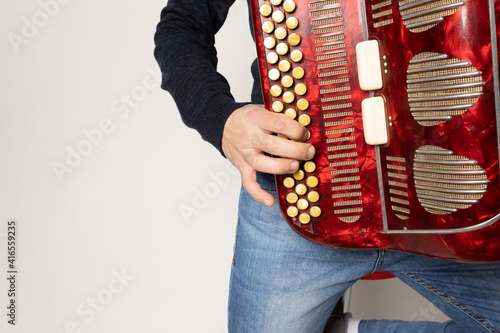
point(276, 90)
point(282, 49)
point(292, 22)
point(287, 81)
point(304, 218)
point(268, 27)
point(298, 73)
point(302, 104)
point(304, 120)
point(302, 204)
point(315, 211)
point(278, 16)
point(301, 189)
point(272, 58)
point(375, 125)
point(292, 211)
point(292, 197)
point(288, 97)
point(269, 42)
point(274, 74)
point(300, 89)
point(284, 65)
point(265, 10)
point(291, 113)
point(310, 166)
point(289, 5)
point(276, 2)
point(296, 55)
point(280, 33)
point(369, 67)
point(313, 196)
point(294, 39)
point(289, 182)
point(277, 106)
point(312, 181)
point(299, 175)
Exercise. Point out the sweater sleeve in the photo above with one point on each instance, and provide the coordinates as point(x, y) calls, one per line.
point(185, 51)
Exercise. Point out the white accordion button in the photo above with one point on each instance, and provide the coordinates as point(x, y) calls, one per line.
point(369, 67)
point(374, 121)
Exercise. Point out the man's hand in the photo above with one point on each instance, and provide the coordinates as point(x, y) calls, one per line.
point(249, 134)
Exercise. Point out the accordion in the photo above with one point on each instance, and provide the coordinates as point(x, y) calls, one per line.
point(402, 103)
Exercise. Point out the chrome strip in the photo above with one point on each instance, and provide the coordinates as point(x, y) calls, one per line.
point(453, 210)
point(450, 181)
point(445, 77)
point(432, 10)
point(381, 189)
point(459, 162)
point(422, 23)
point(440, 98)
point(436, 152)
point(432, 118)
point(437, 57)
point(443, 108)
point(452, 200)
point(448, 231)
point(452, 172)
point(433, 68)
point(449, 190)
point(454, 86)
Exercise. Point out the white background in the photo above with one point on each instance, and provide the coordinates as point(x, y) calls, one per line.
point(103, 245)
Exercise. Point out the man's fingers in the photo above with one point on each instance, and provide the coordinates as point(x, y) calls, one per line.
point(249, 181)
point(274, 165)
point(282, 147)
point(250, 134)
point(281, 124)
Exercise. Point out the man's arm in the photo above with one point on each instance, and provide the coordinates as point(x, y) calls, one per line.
point(186, 53)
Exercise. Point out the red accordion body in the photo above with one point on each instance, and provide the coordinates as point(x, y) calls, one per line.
point(401, 99)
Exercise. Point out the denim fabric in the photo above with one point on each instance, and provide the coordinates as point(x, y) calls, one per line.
point(281, 282)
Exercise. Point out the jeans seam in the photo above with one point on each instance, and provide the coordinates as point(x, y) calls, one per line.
point(378, 262)
point(460, 306)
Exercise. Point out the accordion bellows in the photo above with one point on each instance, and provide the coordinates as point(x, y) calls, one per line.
point(401, 99)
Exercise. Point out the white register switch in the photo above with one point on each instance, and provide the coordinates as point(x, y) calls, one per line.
point(375, 125)
point(369, 67)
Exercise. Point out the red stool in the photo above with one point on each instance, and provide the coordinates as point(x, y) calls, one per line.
point(378, 276)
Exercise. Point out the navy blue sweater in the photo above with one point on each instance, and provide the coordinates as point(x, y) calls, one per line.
point(186, 54)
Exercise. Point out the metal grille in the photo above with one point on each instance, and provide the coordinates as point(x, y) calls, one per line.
point(421, 15)
point(446, 182)
point(440, 87)
point(335, 95)
point(398, 188)
point(381, 13)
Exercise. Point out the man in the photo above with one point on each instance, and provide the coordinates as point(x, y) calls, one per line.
point(281, 282)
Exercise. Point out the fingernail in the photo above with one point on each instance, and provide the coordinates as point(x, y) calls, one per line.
point(310, 152)
point(267, 203)
point(294, 166)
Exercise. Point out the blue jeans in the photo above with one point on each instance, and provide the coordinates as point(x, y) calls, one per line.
point(281, 282)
